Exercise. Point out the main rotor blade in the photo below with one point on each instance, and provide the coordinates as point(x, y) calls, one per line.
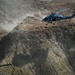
point(61, 10)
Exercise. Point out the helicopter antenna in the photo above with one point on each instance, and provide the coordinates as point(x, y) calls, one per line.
point(61, 10)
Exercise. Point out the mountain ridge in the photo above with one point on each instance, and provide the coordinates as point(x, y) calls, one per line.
point(38, 51)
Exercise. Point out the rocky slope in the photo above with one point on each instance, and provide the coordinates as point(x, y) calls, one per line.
point(34, 48)
point(2, 33)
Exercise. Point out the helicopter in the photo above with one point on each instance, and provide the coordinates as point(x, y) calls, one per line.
point(57, 17)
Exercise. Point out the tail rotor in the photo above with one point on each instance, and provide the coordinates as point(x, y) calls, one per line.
point(73, 13)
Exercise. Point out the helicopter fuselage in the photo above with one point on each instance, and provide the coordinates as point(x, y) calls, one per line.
point(56, 17)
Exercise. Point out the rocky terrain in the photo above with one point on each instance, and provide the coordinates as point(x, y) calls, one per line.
point(31, 47)
point(38, 49)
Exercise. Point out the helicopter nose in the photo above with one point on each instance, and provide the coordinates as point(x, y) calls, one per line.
point(45, 19)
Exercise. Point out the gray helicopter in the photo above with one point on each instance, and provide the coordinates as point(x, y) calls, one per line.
point(57, 17)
